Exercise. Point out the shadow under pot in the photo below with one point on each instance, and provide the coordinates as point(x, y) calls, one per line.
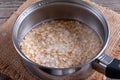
point(66, 9)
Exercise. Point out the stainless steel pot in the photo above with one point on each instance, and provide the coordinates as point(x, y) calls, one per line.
point(66, 9)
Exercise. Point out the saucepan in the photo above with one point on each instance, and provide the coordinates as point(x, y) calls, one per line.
point(66, 9)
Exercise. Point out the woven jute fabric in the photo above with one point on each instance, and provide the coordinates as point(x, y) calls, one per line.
point(11, 64)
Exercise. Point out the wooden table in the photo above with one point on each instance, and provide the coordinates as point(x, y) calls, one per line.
point(7, 7)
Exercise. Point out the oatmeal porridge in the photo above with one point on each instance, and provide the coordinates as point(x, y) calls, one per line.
point(61, 44)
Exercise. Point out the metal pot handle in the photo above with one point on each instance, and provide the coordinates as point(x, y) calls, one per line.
point(108, 66)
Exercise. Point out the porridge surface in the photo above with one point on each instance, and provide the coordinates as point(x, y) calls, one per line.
point(61, 44)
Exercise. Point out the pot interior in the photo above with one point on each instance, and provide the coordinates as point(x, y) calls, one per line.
point(57, 10)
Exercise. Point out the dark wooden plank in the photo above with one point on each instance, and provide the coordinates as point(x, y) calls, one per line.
point(10, 4)
point(6, 12)
point(111, 4)
point(10, 0)
point(7, 7)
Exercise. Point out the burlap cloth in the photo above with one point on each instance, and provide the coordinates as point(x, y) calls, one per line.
point(10, 63)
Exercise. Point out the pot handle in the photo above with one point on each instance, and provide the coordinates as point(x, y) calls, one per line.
point(108, 66)
point(113, 69)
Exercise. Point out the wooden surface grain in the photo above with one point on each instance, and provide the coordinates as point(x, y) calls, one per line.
point(112, 4)
point(7, 7)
